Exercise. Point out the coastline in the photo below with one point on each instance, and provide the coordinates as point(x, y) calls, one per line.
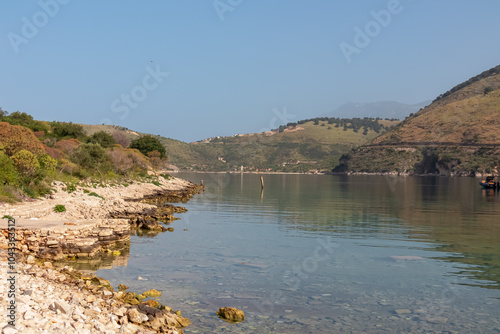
point(97, 220)
point(476, 175)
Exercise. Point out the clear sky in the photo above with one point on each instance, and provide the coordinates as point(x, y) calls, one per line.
point(195, 69)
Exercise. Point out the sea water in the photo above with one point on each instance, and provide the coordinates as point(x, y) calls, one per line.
point(327, 254)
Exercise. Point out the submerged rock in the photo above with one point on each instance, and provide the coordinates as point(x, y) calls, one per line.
point(231, 314)
point(152, 293)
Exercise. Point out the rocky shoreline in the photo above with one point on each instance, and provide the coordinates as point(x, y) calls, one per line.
point(96, 220)
point(63, 300)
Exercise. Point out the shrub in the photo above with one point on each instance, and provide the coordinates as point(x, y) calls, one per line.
point(68, 146)
point(67, 130)
point(122, 162)
point(102, 138)
point(8, 217)
point(148, 143)
point(89, 156)
point(16, 138)
point(156, 183)
point(54, 152)
point(23, 119)
point(96, 195)
point(488, 90)
point(121, 139)
point(70, 188)
point(47, 163)
point(26, 163)
point(59, 208)
point(155, 159)
point(8, 173)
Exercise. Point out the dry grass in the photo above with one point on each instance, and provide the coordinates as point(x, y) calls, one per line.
point(467, 116)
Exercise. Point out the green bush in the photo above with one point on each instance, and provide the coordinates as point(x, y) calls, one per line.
point(47, 163)
point(26, 163)
point(488, 90)
point(96, 195)
point(23, 119)
point(70, 188)
point(67, 130)
point(156, 183)
point(102, 138)
point(89, 155)
point(59, 208)
point(148, 143)
point(8, 217)
point(8, 173)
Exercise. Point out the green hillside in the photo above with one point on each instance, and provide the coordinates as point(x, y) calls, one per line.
point(314, 144)
point(307, 145)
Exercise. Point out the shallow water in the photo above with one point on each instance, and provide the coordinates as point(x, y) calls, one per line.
point(328, 254)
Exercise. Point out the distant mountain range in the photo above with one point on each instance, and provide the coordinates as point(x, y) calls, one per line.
point(383, 109)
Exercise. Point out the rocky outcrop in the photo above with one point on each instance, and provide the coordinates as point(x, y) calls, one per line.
point(58, 240)
point(231, 314)
point(174, 196)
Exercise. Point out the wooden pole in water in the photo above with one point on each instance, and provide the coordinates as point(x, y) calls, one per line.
point(261, 182)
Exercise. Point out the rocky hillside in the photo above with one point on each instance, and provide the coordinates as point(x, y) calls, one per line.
point(459, 133)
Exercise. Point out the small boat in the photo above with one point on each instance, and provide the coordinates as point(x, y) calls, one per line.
point(489, 183)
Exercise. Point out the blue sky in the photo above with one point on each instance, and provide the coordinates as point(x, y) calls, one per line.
point(195, 69)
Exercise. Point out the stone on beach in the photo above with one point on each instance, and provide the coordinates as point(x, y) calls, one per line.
point(135, 316)
point(63, 300)
point(47, 306)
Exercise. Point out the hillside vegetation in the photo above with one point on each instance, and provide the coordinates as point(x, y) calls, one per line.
point(459, 133)
point(311, 144)
point(35, 153)
point(307, 145)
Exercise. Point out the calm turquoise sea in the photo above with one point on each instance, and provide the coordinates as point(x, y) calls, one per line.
point(328, 254)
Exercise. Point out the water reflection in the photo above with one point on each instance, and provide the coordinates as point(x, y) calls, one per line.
point(117, 256)
point(407, 251)
point(454, 215)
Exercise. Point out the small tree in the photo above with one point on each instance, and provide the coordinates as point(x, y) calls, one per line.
point(148, 143)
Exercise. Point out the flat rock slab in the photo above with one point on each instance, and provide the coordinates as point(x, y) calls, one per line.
point(50, 224)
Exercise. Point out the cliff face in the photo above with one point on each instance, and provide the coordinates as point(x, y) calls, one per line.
point(458, 134)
